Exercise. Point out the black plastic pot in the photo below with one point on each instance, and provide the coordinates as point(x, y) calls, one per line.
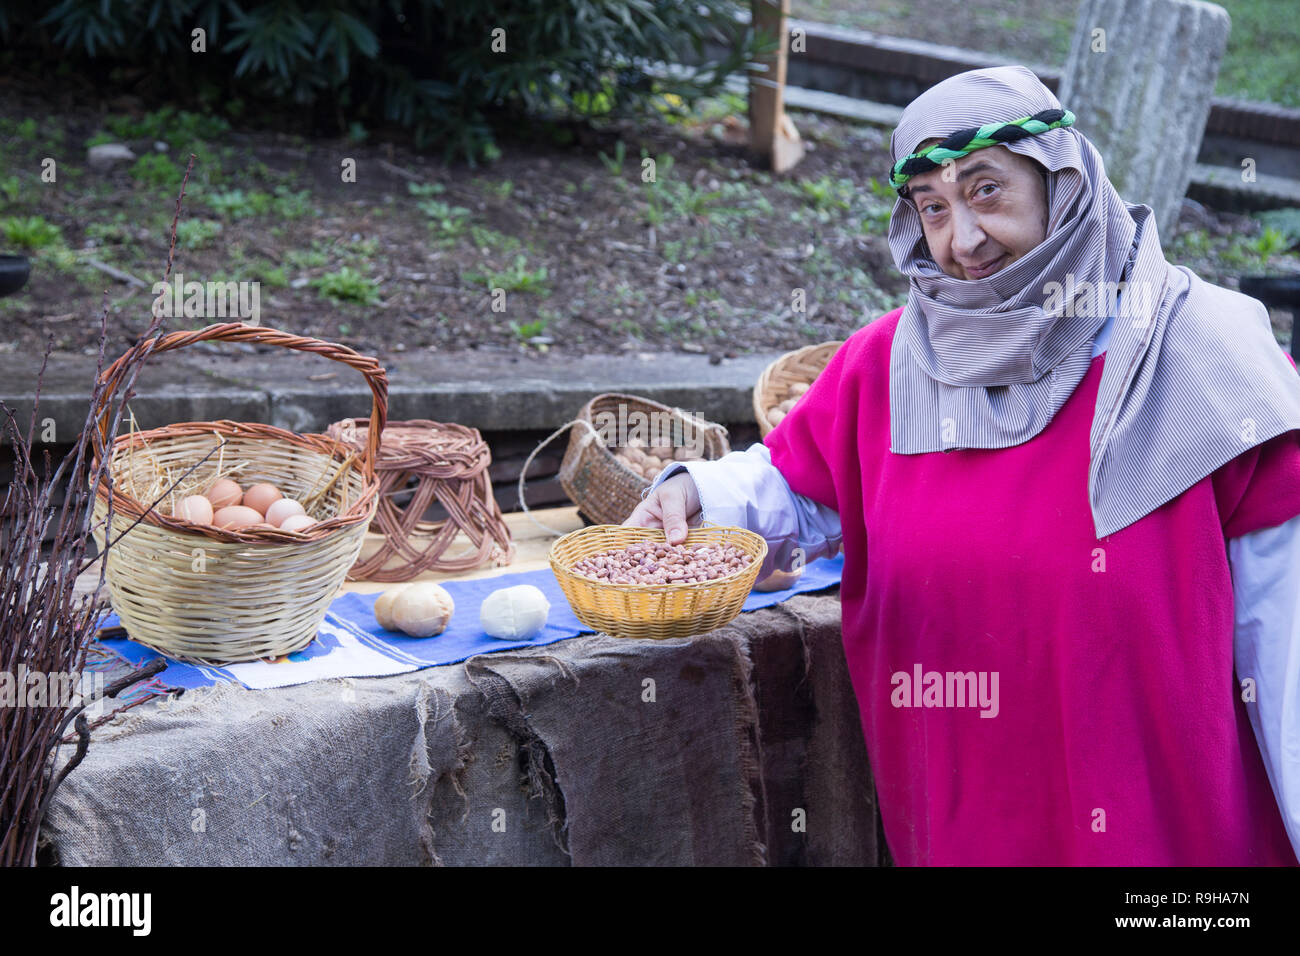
point(14, 271)
point(1277, 292)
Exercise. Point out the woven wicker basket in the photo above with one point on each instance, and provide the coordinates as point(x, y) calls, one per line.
point(201, 594)
point(654, 611)
point(449, 465)
point(597, 480)
point(801, 366)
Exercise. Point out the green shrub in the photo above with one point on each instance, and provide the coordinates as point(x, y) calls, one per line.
point(427, 65)
point(155, 169)
point(347, 285)
point(515, 278)
point(196, 233)
point(30, 232)
point(1285, 223)
point(238, 204)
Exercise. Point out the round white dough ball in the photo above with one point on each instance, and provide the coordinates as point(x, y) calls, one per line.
point(422, 609)
point(384, 607)
point(514, 614)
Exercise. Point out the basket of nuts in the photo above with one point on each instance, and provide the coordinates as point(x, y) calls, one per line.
point(786, 380)
point(629, 582)
point(619, 443)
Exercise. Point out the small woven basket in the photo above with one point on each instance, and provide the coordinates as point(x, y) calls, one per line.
point(802, 366)
point(209, 596)
point(603, 487)
point(448, 464)
point(654, 611)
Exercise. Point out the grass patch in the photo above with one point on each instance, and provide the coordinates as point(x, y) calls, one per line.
point(447, 222)
point(196, 233)
point(157, 172)
point(179, 129)
point(491, 241)
point(515, 278)
point(347, 285)
point(528, 330)
point(313, 258)
point(283, 203)
point(30, 232)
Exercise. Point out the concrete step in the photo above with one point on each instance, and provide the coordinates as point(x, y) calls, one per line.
point(490, 391)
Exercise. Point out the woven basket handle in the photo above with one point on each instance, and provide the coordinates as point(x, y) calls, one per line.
point(367, 365)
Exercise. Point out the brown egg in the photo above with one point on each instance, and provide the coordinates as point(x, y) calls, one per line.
point(224, 493)
point(261, 496)
point(283, 508)
point(195, 508)
point(236, 517)
point(297, 523)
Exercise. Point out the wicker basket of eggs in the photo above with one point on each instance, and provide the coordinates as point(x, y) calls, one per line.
point(231, 538)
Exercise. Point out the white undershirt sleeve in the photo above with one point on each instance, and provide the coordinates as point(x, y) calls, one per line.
point(746, 490)
point(1266, 648)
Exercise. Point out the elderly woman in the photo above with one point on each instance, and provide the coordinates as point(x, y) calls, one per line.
point(1067, 474)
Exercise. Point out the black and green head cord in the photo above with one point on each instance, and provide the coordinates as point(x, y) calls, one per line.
point(966, 141)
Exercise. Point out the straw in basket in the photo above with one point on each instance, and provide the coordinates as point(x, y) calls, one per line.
point(205, 595)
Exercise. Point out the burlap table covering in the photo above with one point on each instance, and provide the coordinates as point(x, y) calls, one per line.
point(551, 756)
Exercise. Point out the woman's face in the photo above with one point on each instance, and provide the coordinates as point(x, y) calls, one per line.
point(981, 213)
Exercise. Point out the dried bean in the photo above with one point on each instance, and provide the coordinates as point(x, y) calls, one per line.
point(647, 562)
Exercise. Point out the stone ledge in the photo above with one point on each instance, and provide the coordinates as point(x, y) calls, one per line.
point(490, 391)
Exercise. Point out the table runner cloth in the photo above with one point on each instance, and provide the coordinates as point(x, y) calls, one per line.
point(351, 643)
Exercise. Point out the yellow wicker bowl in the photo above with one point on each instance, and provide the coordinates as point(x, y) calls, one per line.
point(654, 611)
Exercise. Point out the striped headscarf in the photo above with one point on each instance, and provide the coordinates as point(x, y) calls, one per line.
point(1193, 376)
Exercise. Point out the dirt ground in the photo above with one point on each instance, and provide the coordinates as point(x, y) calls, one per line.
point(710, 257)
point(705, 258)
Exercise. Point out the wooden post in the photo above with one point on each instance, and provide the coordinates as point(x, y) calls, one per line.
point(1139, 77)
point(771, 134)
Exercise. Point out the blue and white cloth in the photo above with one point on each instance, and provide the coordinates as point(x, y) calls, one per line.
point(351, 643)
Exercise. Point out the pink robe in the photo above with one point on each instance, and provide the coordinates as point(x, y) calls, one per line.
point(1118, 734)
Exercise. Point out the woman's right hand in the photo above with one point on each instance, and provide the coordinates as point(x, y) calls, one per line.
point(673, 506)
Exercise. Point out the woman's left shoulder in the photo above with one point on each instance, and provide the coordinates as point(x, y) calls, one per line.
point(1260, 488)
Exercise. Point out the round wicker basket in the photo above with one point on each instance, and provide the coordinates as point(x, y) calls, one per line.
point(802, 366)
point(205, 595)
point(448, 464)
point(654, 611)
point(603, 487)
